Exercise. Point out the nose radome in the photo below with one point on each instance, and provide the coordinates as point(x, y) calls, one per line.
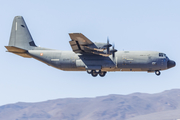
point(171, 64)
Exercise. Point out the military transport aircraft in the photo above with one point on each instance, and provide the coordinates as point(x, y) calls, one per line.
point(95, 58)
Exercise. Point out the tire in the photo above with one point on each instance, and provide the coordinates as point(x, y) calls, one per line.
point(102, 74)
point(89, 71)
point(157, 72)
point(98, 71)
point(94, 73)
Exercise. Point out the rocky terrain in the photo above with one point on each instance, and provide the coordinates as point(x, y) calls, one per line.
point(136, 106)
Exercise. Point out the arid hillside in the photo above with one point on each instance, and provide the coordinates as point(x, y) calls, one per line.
point(136, 106)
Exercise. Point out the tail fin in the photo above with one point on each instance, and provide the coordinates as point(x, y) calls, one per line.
point(20, 35)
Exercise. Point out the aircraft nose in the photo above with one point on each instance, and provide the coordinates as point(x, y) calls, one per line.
point(171, 63)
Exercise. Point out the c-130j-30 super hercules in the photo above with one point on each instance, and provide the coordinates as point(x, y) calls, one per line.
point(95, 58)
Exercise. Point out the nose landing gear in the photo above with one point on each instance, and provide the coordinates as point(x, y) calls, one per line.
point(157, 72)
point(94, 73)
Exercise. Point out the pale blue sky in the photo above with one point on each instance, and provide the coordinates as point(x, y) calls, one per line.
point(130, 24)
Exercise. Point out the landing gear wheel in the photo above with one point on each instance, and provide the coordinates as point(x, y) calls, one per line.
point(98, 71)
point(89, 71)
point(102, 74)
point(94, 73)
point(157, 72)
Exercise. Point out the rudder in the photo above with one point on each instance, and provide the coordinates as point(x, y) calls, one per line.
point(20, 35)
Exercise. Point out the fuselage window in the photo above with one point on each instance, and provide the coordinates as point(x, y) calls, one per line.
point(160, 54)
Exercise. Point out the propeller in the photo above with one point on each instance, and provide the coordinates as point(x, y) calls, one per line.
point(113, 51)
point(107, 46)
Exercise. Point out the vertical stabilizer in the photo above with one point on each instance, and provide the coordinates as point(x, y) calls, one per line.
point(20, 35)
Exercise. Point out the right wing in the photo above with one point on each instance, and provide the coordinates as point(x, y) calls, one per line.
point(81, 44)
point(78, 42)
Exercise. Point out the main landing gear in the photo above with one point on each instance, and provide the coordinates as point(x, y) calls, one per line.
point(157, 72)
point(94, 73)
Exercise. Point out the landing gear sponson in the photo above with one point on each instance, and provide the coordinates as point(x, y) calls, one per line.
point(94, 73)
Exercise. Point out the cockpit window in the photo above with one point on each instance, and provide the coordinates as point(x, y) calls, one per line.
point(166, 56)
point(160, 54)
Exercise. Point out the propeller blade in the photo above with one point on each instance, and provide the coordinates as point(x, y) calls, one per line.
point(107, 45)
point(107, 40)
point(113, 51)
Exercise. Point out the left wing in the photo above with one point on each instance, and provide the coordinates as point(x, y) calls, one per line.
point(81, 44)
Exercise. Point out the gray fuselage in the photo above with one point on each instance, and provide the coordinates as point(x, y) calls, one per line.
point(123, 60)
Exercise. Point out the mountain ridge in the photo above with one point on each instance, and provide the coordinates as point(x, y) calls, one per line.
point(110, 107)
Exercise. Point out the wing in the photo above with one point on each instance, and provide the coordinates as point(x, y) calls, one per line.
point(80, 38)
point(81, 44)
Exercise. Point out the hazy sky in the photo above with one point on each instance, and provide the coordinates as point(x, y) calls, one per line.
point(130, 24)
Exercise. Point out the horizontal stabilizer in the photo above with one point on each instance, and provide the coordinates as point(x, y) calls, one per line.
point(18, 51)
